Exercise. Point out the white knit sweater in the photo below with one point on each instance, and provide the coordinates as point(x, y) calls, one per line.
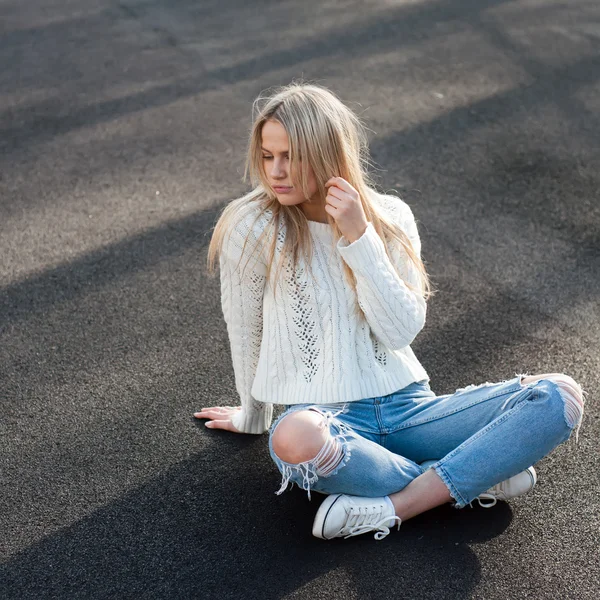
point(309, 345)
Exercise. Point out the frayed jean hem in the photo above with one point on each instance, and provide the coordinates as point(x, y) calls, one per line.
point(459, 501)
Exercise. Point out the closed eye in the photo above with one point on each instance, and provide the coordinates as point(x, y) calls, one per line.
point(270, 157)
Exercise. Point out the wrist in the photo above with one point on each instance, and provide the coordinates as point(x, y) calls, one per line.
point(355, 235)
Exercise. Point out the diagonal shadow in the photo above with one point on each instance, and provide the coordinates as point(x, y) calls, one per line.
point(432, 137)
point(103, 266)
point(192, 532)
point(38, 123)
point(431, 147)
point(210, 526)
point(567, 101)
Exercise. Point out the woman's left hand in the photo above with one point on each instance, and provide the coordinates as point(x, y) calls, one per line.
point(343, 204)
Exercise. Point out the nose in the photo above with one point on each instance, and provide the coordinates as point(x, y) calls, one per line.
point(277, 171)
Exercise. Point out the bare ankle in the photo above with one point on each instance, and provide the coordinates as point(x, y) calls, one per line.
point(423, 493)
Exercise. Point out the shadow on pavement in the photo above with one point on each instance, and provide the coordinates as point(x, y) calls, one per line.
point(215, 529)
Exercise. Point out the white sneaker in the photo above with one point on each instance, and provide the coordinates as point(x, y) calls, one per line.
point(512, 487)
point(341, 515)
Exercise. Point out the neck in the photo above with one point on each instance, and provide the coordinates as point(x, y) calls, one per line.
point(314, 212)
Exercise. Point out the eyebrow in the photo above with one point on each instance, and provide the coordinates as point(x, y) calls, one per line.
point(265, 150)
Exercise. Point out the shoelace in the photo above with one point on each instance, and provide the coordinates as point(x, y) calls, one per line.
point(494, 493)
point(486, 496)
point(363, 519)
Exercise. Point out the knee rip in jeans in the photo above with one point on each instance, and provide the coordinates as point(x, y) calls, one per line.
point(334, 454)
point(572, 394)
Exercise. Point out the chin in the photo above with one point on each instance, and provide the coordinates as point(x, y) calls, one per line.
point(287, 201)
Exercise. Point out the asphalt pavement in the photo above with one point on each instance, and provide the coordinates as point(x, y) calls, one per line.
point(123, 130)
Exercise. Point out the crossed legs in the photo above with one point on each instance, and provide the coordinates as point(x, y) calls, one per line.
point(303, 436)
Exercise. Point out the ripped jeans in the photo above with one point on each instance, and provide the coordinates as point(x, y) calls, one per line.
point(474, 438)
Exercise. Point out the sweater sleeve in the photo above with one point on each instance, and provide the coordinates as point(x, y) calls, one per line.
point(395, 313)
point(242, 289)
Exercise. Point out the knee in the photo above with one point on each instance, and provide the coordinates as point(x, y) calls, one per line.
point(570, 392)
point(299, 436)
point(572, 395)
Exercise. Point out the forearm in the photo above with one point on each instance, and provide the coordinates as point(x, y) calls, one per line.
point(394, 312)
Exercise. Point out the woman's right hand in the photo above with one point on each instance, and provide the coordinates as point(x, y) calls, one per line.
point(220, 415)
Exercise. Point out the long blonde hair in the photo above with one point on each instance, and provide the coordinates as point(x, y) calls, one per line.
point(330, 137)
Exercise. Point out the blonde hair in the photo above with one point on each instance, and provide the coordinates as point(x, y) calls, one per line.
point(326, 134)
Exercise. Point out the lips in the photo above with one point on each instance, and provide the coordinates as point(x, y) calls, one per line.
point(282, 187)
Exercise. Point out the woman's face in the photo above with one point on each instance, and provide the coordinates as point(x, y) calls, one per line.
point(275, 156)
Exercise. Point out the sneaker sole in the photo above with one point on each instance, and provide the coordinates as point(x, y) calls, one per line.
point(533, 476)
point(321, 516)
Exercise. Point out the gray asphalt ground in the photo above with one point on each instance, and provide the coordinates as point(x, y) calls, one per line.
point(123, 128)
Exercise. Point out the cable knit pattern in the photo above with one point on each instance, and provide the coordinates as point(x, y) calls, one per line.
point(395, 313)
point(309, 344)
point(242, 291)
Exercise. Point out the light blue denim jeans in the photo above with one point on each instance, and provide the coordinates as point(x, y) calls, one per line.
point(474, 438)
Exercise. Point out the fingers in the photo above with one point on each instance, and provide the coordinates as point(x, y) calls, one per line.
point(220, 415)
point(335, 197)
point(213, 412)
point(341, 183)
point(221, 424)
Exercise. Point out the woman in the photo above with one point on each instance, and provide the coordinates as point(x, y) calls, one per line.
point(328, 335)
